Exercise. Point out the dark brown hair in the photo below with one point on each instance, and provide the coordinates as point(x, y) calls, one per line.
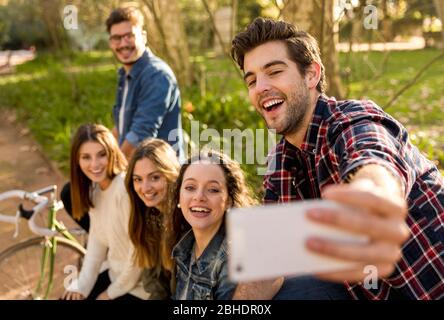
point(80, 183)
point(145, 224)
point(238, 192)
point(302, 48)
point(131, 14)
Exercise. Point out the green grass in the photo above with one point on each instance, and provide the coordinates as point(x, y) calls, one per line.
point(420, 108)
point(53, 99)
point(54, 95)
point(421, 104)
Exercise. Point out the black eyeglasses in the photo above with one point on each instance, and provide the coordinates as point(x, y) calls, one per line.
point(116, 38)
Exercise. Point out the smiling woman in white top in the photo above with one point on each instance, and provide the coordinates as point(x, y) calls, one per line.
point(150, 179)
point(97, 179)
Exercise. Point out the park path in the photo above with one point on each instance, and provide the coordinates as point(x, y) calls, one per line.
point(23, 166)
point(16, 57)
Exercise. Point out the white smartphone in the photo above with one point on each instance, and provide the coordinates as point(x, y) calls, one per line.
point(269, 241)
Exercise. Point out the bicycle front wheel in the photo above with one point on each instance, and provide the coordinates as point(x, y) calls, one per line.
point(20, 268)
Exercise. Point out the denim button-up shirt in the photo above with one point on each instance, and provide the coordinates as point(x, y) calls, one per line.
point(207, 277)
point(152, 106)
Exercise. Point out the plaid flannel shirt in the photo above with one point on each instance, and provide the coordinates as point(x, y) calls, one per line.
point(343, 136)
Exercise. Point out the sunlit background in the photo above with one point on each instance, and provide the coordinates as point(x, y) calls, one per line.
point(56, 71)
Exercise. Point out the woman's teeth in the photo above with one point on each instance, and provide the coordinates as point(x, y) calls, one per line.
point(200, 209)
point(149, 195)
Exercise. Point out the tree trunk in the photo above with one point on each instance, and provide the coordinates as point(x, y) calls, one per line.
point(50, 12)
point(316, 17)
point(234, 7)
point(439, 4)
point(167, 38)
point(386, 24)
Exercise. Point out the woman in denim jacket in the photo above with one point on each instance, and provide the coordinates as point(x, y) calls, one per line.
point(151, 175)
point(207, 186)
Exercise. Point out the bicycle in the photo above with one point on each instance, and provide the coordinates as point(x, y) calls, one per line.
point(37, 268)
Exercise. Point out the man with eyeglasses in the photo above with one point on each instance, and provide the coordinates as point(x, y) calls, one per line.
point(147, 101)
point(148, 97)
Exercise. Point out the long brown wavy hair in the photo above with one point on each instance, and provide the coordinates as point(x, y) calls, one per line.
point(148, 227)
point(238, 191)
point(80, 183)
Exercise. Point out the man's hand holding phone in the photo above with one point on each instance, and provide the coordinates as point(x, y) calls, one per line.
point(368, 211)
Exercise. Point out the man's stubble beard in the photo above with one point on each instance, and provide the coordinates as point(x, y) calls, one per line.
point(130, 63)
point(297, 108)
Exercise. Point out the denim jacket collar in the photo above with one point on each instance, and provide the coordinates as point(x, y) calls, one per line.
point(183, 249)
point(138, 66)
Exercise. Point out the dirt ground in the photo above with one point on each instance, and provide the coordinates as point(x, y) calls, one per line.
point(23, 166)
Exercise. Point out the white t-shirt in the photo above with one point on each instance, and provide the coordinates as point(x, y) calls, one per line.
point(123, 106)
point(109, 240)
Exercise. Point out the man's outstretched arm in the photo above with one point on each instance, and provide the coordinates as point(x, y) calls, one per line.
point(258, 290)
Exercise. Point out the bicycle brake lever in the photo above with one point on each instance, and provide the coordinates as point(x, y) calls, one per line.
point(58, 205)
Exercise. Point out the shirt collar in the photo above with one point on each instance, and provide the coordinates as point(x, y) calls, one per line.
point(322, 111)
point(184, 247)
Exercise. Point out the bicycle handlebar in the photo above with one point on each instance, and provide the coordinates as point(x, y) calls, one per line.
point(38, 199)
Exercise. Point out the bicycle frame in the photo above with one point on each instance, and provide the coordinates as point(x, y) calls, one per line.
point(54, 228)
point(50, 248)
